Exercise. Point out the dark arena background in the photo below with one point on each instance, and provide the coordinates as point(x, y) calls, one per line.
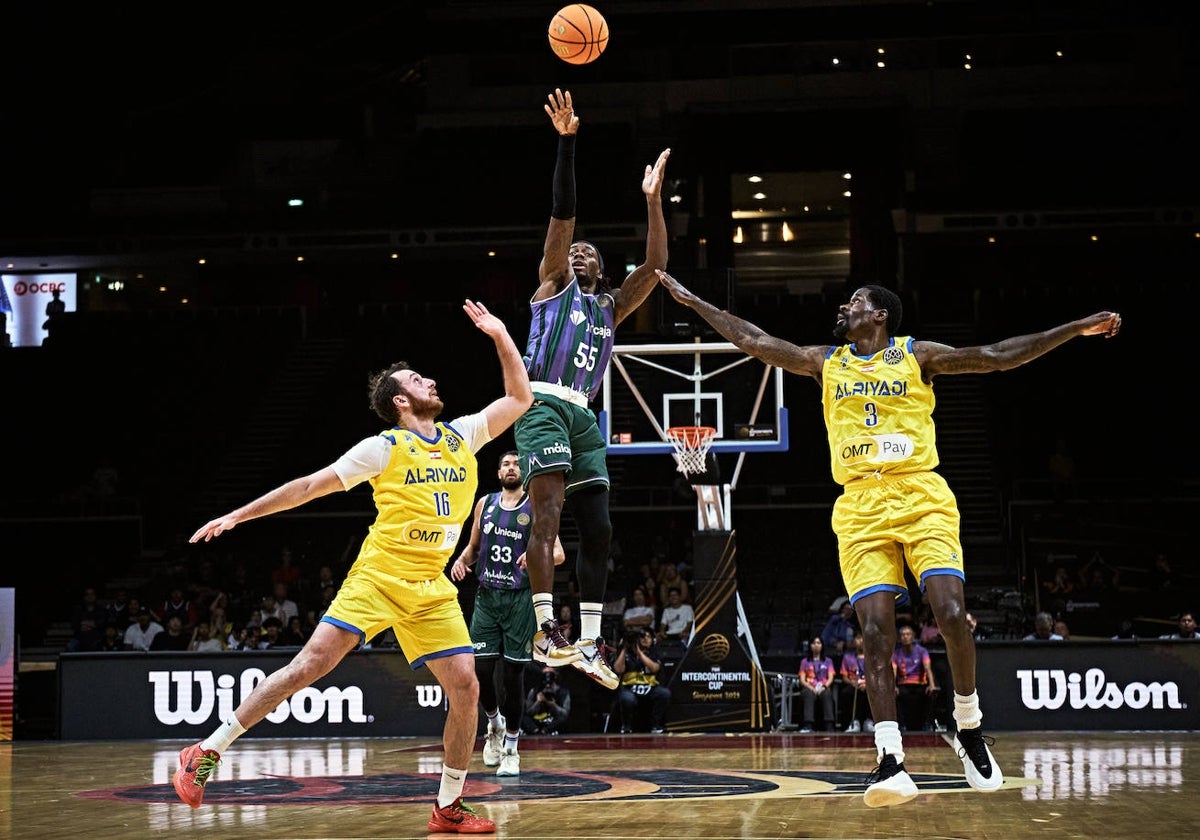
point(246, 209)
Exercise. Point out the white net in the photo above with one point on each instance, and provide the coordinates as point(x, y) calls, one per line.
point(691, 447)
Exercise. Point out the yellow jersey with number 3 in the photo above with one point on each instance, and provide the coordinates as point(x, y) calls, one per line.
point(878, 412)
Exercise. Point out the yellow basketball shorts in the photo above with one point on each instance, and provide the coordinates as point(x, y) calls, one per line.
point(425, 614)
point(882, 523)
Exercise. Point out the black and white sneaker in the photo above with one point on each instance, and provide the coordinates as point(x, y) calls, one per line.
point(979, 766)
point(889, 784)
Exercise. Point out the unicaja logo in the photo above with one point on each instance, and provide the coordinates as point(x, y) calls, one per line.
point(197, 694)
point(1050, 689)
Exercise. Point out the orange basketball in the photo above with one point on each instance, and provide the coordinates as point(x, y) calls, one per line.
point(578, 34)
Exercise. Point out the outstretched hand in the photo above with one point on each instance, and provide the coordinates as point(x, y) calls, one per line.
point(677, 289)
point(562, 113)
point(483, 319)
point(653, 179)
point(1107, 324)
point(215, 528)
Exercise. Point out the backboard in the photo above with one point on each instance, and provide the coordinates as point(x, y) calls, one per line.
point(703, 383)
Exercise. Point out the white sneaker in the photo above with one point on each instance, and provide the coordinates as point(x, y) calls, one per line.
point(854, 726)
point(889, 784)
point(510, 764)
point(550, 646)
point(869, 726)
point(493, 742)
point(979, 766)
point(592, 663)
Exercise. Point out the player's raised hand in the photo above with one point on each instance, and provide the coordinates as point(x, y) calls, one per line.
point(562, 113)
point(653, 179)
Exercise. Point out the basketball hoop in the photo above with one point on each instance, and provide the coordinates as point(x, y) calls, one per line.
point(691, 447)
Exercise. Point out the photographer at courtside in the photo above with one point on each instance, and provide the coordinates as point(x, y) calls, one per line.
point(637, 664)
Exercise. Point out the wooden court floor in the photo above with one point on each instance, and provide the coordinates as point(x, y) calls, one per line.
point(744, 785)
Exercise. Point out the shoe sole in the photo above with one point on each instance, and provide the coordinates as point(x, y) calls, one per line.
point(993, 783)
point(596, 674)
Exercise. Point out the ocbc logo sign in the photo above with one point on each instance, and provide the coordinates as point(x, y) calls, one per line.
point(23, 287)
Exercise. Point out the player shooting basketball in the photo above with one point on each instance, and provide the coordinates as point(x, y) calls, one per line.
point(563, 454)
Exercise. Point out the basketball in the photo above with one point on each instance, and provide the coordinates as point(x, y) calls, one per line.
point(578, 34)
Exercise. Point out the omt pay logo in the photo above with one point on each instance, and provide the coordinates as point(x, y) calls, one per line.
point(193, 696)
point(1050, 689)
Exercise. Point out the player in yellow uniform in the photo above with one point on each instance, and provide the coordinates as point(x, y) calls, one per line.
point(878, 400)
point(424, 477)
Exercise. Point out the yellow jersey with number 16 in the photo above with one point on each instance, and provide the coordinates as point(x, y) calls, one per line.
point(878, 412)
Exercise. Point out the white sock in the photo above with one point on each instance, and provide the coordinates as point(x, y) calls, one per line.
point(888, 740)
point(452, 786)
point(223, 738)
point(589, 619)
point(494, 717)
point(510, 740)
point(966, 710)
point(543, 607)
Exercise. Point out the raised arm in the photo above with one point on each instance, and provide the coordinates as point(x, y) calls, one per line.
point(642, 280)
point(517, 396)
point(936, 358)
point(285, 497)
point(555, 271)
point(747, 337)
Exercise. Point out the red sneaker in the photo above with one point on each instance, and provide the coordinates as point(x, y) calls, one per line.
point(195, 768)
point(459, 817)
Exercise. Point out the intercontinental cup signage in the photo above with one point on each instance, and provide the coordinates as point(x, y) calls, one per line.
point(1078, 685)
point(173, 695)
point(709, 679)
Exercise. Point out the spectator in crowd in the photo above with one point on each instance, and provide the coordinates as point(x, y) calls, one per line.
point(1186, 629)
point(177, 604)
point(173, 637)
point(293, 635)
point(219, 625)
point(1125, 629)
point(1160, 577)
point(241, 637)
point(1061, 628)
point(547, 706)
point(272, 630)
point(853, 705)
point(141, 633)
point(839, 630)
point(1097, 576)
point(1043, 629)
point(203, 640)
point(287, 572)
point(677, 617)
point(87, 623)
point(567, 624)
point(639, 614)
point(915, 683)
point(117, 610)
point(638, 664)
point(113, 639)
point(816, 682)
point(669, 578)
point(285, 607)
